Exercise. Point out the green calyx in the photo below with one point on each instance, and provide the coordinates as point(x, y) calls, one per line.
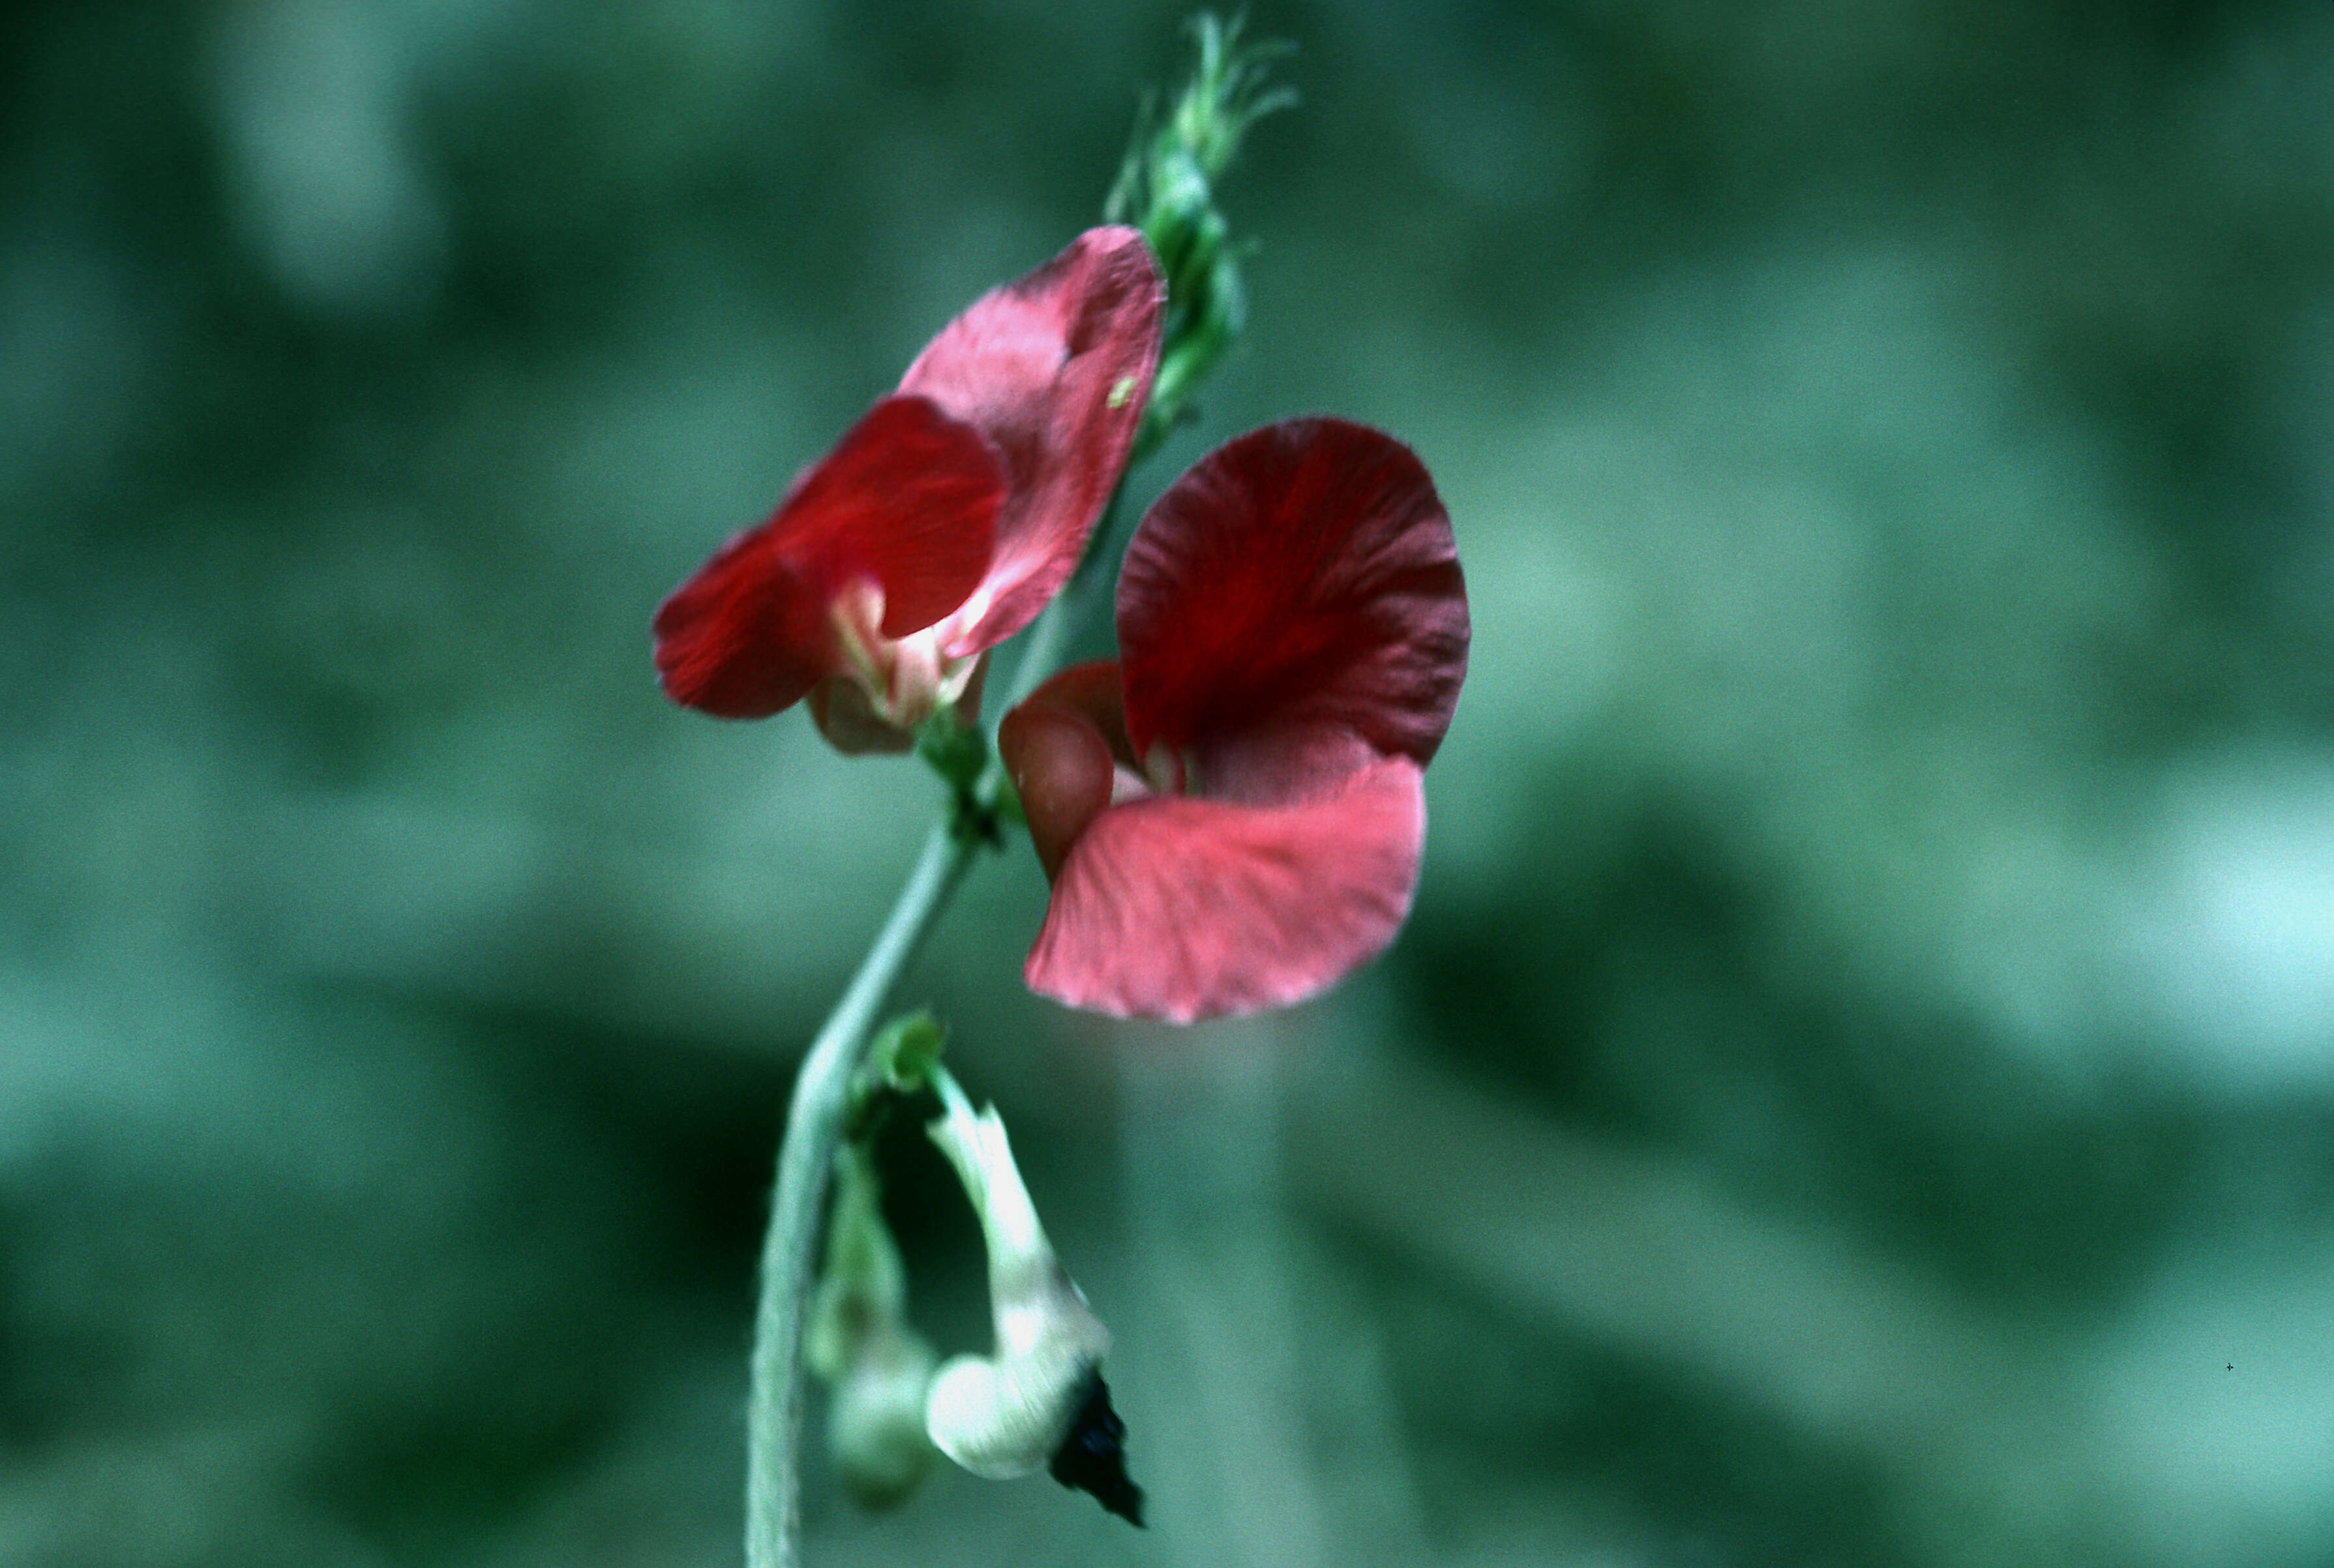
point(958, 753)
point(900, 1064)
point(906, 1053)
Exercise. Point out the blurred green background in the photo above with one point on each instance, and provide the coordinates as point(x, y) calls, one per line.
point(1858, 1089)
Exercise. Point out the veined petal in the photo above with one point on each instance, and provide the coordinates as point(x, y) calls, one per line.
point(1183, 909)
point(908, 499)
point(1054, 369)
point(1297, 591)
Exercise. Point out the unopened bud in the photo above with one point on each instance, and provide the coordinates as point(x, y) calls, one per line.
point(1167, 186)
point(1038, 1401)
point(1181, 221)
point(1219, 310)
point(877, 1368)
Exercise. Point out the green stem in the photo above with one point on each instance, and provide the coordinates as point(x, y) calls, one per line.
point(815, 1131)
point(1225, 97)
point(806, 1157)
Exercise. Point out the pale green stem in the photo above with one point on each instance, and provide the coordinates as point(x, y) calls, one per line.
point(823, 1087)
point(814, 1128)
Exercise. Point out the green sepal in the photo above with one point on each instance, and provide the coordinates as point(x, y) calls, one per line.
point(953, 749)
point(900, 1064)
point(907, 1050)
point(1006, 806)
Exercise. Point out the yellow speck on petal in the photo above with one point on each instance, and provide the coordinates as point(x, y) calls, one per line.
point(1121, 392)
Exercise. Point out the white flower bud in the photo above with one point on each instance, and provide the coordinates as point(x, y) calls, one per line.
point(1006, 1415)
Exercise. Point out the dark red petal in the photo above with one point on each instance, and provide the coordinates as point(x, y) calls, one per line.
point(1057, 747)
point(1092, 691)
point(1180, 908)
point(909, 497)
point(1054, 369)
point(1060, 767)
point(745, 635)
point(1296, 589)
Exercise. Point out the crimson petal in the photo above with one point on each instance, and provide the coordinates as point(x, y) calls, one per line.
point(1059, 747)
point(1181, 909)
point(1054, 369)
point(908, 498)
point(1297, 592)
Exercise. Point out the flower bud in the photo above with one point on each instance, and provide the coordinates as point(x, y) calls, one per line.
point(1218, 310)
point(1167, 186)
point(1038, 1401)
point(1182, 223)
point(876, 1367)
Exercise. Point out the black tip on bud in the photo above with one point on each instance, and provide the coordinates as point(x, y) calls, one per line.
point(1093, 1457)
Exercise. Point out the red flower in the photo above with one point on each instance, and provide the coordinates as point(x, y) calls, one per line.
point(1232, 815)
point(942, 522)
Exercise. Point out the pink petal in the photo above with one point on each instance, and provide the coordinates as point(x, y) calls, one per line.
point(909, 497)
point(1291, 606)
point(1180, 908)
point(1054, 369)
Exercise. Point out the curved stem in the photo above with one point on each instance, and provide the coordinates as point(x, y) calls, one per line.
point(815, 1116)
point(805, 1157)
point(814, 1132)
point(1224, 98)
